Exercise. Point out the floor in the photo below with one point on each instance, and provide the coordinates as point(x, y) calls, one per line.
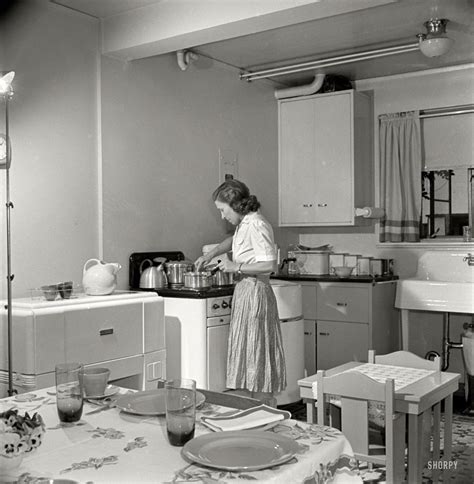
point(463, 443)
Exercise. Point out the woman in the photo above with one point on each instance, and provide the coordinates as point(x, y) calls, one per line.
point(255, 359)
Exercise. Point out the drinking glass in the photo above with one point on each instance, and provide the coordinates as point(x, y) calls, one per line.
point(180, 410)
point(69, 391)
point(466, 233)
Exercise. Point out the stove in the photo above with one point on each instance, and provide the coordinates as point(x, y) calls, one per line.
point(197, 326)
point(180, 292)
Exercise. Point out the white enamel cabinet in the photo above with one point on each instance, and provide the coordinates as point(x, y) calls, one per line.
point(325, 158)
point(349, 319)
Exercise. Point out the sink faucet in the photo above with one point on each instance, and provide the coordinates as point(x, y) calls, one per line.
point(469, 259)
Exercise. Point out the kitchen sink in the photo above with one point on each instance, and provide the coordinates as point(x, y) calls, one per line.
point(444, 282)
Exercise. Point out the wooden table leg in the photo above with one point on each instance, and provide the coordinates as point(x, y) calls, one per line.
point(436, 439)
point(404, 319)
point(415, 448)
point(448, 436)
point(310, 411)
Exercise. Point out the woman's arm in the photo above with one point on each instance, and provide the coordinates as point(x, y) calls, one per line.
point(263, 267)
point(224, 247)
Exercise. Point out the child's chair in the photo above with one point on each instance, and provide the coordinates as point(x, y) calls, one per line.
point(356, 390)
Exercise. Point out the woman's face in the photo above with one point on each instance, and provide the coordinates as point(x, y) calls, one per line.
point(228, 213)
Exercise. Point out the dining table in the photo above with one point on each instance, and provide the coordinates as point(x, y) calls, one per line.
point(111, 445)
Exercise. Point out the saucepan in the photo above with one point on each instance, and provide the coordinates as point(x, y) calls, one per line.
point(220, 278)
point(198, 280)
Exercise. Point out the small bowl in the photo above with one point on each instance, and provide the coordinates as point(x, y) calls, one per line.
point(50, 292)
point(65, 289)
point(342, 271)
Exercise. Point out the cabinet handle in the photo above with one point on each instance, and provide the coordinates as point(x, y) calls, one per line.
point(307, 332)
point(322, 204)
point(104, 332)
point(224, 305)
point(324, 334)
point(341, 304)
point(307, 205)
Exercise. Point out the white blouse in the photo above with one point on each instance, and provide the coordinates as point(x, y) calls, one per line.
point(253, 240)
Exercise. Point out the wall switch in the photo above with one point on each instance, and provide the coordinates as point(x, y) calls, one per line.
point(228, 164)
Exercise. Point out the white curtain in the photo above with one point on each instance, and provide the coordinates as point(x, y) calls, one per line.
point(400, 177)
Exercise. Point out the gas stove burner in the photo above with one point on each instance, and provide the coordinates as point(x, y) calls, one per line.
point(176, 286)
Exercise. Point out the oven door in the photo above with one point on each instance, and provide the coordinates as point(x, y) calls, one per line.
point(217, 336)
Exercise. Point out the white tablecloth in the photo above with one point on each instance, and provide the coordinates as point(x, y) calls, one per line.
point(112, 446)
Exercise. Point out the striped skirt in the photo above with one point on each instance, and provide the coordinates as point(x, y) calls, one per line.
point(255, 358)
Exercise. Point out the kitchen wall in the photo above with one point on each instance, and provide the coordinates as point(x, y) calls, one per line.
point(53, 130)
point(162, 130)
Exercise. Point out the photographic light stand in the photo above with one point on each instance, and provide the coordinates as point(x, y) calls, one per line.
point(6, 92)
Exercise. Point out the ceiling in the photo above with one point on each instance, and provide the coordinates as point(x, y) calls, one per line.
point(392, 24)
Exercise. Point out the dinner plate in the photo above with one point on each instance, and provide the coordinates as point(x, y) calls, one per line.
point(109, 391)
point(149, 403)
point(240, 450)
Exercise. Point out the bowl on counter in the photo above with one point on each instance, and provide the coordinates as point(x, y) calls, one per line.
point(342, 271)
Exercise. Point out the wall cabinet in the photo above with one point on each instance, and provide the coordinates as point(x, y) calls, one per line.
point(349, 319)
point(325, 158)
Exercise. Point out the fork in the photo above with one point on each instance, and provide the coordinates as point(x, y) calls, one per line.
point(105, 404)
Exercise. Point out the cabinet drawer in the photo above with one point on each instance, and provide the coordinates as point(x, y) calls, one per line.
point(343, 303)
point(104, 333)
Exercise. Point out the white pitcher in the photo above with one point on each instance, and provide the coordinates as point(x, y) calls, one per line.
point(99, 278)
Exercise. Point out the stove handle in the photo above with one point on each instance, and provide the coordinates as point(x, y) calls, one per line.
point(225, 305)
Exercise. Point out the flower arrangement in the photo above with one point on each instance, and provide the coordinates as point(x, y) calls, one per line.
point(19, 434)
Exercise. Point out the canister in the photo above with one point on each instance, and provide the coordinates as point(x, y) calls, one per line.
point(376, 267)
point(351, 260)
point(336, 260)
point(363, 268)
point(387, 267)
point(312, 261)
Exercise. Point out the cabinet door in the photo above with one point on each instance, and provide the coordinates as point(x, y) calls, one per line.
point(316, 160)
point(339, 343)
point(334, 203)
point(297, 168)
point(217, 337)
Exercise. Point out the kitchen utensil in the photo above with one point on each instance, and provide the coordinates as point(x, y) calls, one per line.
point(69, 391)
point(180, 410)
point(241, 450)
point(50, 291)
point(222, 278)
point(198, 280)
point(342, 271)
point(99, 278)
point(95, 381)
point(175, 271)
point(153, 277)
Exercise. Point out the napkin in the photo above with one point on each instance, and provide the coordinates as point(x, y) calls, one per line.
point(262, 415)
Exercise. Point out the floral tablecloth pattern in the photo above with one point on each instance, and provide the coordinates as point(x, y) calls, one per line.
point(113, 447)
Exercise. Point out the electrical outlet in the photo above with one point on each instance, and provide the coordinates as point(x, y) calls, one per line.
point(228, 164)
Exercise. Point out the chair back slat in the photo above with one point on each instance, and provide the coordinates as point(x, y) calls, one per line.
point(357, 433)
point(405, 359)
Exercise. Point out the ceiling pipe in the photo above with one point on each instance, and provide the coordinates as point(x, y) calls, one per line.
point(329, 62)
point(184, 58)
point(305, 90)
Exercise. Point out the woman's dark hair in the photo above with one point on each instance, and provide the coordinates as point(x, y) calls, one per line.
point(237, 195)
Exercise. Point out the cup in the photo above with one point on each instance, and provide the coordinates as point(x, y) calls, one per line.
point(69, 391)
point(180, 410)
point(95, 381)
point(466, 233)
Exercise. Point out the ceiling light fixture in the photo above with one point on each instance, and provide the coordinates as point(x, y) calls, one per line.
point(435, 42)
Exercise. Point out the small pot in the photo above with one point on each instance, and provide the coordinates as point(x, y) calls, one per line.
point(175, 271)
point(198, 280)
point(222, 278)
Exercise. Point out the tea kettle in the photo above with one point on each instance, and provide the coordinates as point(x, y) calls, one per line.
point(153, 277)
point(99, 278)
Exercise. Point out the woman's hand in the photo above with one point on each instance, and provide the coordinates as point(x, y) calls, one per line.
point(202, 261)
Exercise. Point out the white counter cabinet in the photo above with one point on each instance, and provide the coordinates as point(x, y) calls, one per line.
point(325, 158)
point(348, 319)
point(123, 331)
